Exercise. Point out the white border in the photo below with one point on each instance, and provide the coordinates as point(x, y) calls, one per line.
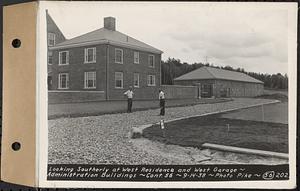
point(42, 113)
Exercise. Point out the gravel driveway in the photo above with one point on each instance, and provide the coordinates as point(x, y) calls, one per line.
point(105, 139)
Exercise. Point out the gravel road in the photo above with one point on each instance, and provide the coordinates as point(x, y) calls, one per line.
point(105, 139)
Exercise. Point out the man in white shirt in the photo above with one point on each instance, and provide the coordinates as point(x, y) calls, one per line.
point(162, 102)
point(129, 94)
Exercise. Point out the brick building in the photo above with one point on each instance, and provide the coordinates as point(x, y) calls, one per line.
point(102, 64)
point(214, 82)
point(54, 36)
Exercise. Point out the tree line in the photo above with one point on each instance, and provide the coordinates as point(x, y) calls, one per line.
point(173, 68)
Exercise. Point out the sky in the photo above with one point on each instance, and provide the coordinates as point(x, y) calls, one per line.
point(249, 36)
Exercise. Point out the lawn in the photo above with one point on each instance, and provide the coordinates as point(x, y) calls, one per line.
point(276, 113)
point(231, 132)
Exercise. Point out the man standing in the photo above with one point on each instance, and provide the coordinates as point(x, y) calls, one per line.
point(129, 94)
point(162, 102)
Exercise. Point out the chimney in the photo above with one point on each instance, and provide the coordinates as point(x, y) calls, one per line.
point(110, 23)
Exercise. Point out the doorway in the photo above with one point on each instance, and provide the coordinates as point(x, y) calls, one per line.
point(206, 90)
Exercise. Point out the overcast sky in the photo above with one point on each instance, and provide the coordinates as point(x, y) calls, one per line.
point(239, 35)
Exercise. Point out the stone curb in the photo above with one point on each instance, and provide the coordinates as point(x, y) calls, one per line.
point(245, 151)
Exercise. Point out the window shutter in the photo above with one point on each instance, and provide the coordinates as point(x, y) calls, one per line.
point(94, 54)
point(85, 84)
point(67, 81)
point(59, 58)
point(67, 57)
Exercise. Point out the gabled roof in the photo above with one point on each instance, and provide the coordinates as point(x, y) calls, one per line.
point(207, 73)
point(104, 36)
point(53, 28)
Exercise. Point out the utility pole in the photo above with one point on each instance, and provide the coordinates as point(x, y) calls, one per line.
point(206, 60)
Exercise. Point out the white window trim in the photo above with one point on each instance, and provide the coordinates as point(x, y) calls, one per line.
point(49, 57)
point(85, 55)
point(85, 79)
point(122, 81)
point(153, 61)
point(148, 80)
point(137, 80)
point(54, 36)
point(67, 81)
point(138, 56)
point(121, 56)
point(59, 59)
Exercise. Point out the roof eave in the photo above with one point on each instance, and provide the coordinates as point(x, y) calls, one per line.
point(259, 82)
point(104, 41)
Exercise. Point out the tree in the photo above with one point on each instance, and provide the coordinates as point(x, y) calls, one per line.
point(173, 68)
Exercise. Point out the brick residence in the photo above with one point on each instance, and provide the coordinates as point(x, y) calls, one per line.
point(101, 65)
point(55, 36)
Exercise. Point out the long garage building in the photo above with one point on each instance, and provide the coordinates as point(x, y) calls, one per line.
point(215, 82)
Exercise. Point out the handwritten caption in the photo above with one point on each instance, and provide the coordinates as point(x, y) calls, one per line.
point(165, 173)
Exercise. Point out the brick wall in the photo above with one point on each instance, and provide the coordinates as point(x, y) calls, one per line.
point(59, 37)
point(234, 88)
point(179, 92)
point(129, 68)
point(239, 89)
point(77, 67)
point(53, 28)
point(56, 97)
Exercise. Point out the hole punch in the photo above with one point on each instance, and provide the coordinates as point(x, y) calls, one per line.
point(16, 43)
point(16, 146)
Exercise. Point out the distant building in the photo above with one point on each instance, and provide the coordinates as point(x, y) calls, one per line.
point(102, 64)
point(214, 82)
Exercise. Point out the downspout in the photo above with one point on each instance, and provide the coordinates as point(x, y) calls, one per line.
point(107, 72)
point(160, 79)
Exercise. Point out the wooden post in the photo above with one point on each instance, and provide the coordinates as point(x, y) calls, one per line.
point(162, 126)
point(263, 113)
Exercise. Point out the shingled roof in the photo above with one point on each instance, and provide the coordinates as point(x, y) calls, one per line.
point(106, 36)
point(208, 73)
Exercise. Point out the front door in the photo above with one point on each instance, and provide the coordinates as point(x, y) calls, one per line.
point(206, 90)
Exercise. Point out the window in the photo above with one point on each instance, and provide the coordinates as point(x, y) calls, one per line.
point(151, 80)
point(89, 80)
point(50, 57)
point(63, 81)
point(119, 79)
point(90, 55)
point(64, 58)
point(136, 57)
point(151, 61)
point(119, 56)
point(51, 39)
point(136, 80)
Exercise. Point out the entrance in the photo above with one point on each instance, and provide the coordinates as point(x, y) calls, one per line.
point(206, 90)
